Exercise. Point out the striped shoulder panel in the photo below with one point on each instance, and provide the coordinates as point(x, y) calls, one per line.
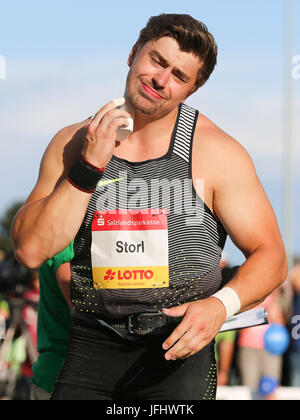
point(185, 132)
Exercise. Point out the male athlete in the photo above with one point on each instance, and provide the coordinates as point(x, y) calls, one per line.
point(150, 217)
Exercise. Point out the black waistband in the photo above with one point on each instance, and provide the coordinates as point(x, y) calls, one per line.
point(134, 326)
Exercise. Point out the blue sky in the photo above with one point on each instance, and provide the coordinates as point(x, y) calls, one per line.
point(65, 58)
point(73, 27)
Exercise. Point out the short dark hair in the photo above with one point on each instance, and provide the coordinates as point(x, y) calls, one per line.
point(191, 35)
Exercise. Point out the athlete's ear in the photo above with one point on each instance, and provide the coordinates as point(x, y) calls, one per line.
point(133, 54)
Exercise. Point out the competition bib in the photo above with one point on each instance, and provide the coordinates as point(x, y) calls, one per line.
point(130, 249)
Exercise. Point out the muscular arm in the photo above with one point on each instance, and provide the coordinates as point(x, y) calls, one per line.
point(245, 211)
point(241, 204)
point(54, 211)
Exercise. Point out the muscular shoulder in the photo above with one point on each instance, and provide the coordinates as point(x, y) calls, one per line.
point(216, 142)
point(61, 153)
point(66, 145)
point(69, 136)
point(222, 155)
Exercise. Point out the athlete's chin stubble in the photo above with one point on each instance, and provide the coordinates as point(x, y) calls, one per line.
point(146, 110)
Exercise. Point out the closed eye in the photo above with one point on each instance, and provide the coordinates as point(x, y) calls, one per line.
point(157, 61)
point(160, 61)
point(181, 78)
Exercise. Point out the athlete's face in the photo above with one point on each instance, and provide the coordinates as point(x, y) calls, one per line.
point(161, 76)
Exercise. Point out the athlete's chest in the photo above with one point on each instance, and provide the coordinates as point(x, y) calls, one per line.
point(163, 173)
point(196, 165)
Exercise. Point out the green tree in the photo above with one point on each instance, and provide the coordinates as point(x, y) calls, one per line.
point(5, 224)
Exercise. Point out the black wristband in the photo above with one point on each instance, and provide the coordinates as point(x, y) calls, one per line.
point(85, 176)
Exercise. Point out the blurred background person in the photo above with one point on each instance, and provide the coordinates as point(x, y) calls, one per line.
point(18, 350)
point(225, 342)
point(29, 319)
point(254, 362)
point(4, 306)
point(225, 349)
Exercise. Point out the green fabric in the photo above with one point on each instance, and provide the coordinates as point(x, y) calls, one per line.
point(54, 323)
point(17, 354)
point(225, 336)
point(4, 306)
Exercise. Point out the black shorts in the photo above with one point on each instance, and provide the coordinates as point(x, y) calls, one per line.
point(100, 365)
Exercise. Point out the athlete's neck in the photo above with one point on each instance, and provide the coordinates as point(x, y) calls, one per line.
point(146, 128)
point(149, 140)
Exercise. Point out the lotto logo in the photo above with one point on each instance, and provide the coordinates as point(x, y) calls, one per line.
point(110, 275)
point(129, 275)
point(135, 275)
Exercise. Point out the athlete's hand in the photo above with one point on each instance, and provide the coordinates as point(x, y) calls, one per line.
point(101, 133)
point(201, 324)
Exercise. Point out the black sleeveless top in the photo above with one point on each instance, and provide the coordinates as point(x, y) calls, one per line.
point(196, 237)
